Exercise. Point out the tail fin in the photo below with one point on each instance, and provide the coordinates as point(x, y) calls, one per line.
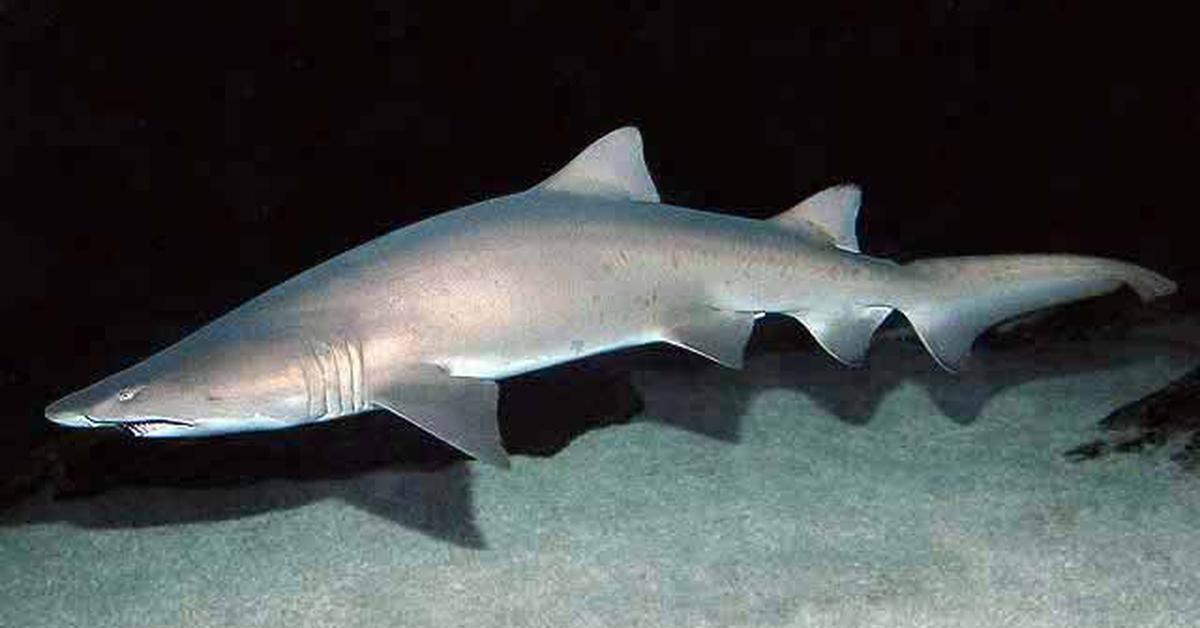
point(960, 297)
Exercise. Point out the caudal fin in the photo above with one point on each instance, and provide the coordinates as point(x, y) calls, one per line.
point(958, 298)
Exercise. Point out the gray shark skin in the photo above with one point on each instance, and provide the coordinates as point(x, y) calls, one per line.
point(422, 321)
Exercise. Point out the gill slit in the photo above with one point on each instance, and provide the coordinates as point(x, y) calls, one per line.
point(312, 381)
point(334, 389)
point(357, 396)
point(338, 364)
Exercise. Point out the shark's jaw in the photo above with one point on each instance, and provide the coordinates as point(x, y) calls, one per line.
point(150, 427)
point(171, 427)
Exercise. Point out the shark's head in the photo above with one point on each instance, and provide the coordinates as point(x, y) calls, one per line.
point(199, 387)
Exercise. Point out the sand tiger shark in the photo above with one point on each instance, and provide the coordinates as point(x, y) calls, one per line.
point(422, 321)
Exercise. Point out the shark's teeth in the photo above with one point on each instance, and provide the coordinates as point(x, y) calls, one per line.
point(145, 428)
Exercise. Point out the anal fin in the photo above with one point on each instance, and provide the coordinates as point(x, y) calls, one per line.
point(845, 333)
point(458, 410)
point(718, 335)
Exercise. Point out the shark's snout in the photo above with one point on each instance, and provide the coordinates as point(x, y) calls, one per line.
point(70, 420)
point(68, 413)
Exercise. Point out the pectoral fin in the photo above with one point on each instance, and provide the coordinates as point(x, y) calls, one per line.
point(458, 410)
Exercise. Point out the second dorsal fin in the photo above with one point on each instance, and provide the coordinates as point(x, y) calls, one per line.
point(612, 167)
point(831, 213)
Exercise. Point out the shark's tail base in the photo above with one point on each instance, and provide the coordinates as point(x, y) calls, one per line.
point(957, 298)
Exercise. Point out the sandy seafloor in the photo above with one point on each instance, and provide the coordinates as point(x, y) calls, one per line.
point(893, 496)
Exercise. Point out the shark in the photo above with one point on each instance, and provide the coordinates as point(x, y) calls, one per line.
point(422, 322)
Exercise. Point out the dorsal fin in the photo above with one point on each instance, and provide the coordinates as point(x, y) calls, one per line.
point(831, 213)
point(612, 167)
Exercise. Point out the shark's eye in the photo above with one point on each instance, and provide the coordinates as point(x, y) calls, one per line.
point(128, 393)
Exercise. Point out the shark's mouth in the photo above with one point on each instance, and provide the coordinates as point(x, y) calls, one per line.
point(145, 427)
point(148, 428)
